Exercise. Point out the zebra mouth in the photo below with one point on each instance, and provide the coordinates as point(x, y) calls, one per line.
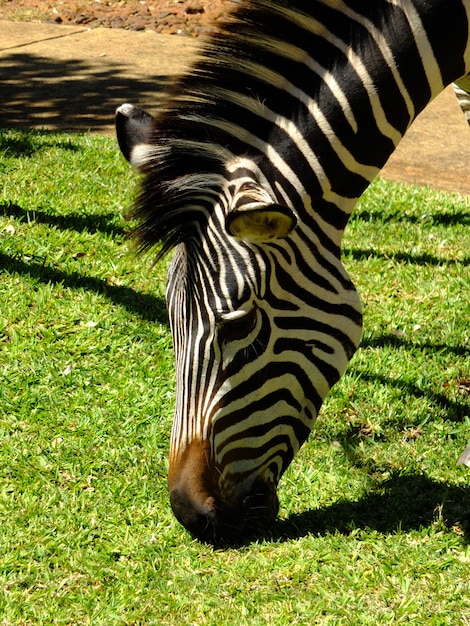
point(214, 520)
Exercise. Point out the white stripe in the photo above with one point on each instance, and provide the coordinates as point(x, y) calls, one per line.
point(423, 45)
point(388, 55)
point(297, 54)
point(466, 6)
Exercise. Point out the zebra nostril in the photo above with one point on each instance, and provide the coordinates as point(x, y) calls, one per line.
point(199, 517)
point(223, 511)
point(211, 522)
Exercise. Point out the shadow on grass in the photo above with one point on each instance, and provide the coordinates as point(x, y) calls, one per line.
point(402, 503)
point(22, 142)
point(146, 306)
point(388, 339)
point(406, 257)
point(455, 411)
point(69, 95)
point(443, 219)
point(79, 223)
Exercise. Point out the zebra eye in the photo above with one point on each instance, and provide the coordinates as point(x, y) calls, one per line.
point(237, 324)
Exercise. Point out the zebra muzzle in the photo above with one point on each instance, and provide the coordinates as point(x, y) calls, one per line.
point(211, 513)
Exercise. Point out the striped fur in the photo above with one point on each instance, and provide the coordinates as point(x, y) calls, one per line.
point(462, 91)
point(251, 173)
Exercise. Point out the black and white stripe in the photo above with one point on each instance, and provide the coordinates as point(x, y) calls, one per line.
point(462, 91)
point(251, 172)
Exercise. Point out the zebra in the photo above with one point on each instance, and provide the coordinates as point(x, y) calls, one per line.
point(462, 91)
point(251, 171)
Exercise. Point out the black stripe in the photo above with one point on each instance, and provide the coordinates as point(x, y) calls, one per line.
point(447, 28)
point(312, 325)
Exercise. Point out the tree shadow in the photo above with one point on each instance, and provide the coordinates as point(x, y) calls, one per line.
point(79, 223)
point(23, 144)
point(380, 341)
point(70, 95)
point(146, 306)
point(455, 411)
point(407, 257)
point(445, 218)
point(402, 503)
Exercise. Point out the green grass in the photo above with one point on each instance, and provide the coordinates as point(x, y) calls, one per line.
point(375, 515)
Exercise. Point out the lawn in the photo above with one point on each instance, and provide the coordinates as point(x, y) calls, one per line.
point(375, 514)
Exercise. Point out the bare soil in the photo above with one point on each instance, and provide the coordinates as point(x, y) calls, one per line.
point(174, 17)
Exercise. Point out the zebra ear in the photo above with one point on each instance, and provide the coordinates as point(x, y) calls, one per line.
point(133, 131)
point(258, 222)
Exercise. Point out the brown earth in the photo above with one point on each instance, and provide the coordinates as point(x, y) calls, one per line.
point(179, 17)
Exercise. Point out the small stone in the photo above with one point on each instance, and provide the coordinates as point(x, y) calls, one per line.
point(117, 22)
point(194, 9)
point(82, 19)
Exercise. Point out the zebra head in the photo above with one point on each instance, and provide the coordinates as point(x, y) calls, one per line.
point(264, 320)
point(251, 172)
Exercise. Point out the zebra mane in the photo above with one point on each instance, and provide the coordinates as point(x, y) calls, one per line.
point(192, 139)
point(176, 196)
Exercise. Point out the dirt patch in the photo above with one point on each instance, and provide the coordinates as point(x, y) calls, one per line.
point(173, 17)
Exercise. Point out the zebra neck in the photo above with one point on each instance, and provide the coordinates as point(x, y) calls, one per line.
point(316, 93)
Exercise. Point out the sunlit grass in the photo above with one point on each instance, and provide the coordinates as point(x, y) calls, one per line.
point(375, 515)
